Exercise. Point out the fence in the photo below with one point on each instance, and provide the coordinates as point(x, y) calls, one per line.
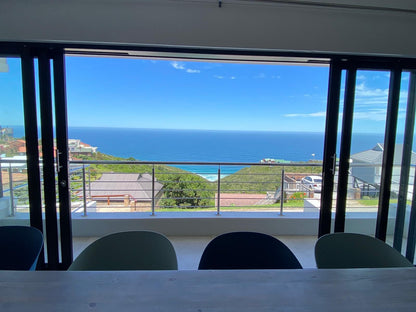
point(134, 186)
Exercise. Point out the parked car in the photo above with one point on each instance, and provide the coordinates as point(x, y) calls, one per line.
point(312, 183)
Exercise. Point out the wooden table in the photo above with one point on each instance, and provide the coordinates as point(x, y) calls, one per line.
point(366, 290)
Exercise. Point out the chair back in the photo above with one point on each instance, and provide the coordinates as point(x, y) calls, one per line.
point(20, 247)
point(247, 250)
point(132, 250)
point(352, 250)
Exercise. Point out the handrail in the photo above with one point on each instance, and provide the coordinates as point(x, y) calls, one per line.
point(203, 163)
point(217, 195)
point(185, 198)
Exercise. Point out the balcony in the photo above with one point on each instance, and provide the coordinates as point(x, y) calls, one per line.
point(168, 198)
point(106, 200)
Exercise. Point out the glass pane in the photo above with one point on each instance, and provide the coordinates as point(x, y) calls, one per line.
point(401, 176)
point(15, 201)
point(367, 145)
point(226, 129)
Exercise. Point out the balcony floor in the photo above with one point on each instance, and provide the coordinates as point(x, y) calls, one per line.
point(189, 248)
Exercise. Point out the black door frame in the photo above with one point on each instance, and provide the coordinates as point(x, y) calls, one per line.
point(55, 53)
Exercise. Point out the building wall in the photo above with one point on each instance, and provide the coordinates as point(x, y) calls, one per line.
point(202, 23)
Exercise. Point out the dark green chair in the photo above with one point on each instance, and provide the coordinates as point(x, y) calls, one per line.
point(20, 247)
point(133, 250)
point(247, 250)
point(351, 250)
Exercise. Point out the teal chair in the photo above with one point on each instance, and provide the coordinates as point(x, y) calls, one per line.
point(20, 247)
point(351, 250)
point(133, 250)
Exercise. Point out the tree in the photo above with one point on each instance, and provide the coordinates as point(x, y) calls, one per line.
point(186, 191)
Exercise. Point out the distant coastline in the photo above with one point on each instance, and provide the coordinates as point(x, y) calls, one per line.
point(209, 146)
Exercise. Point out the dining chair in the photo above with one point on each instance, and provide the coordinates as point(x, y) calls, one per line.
point(352, 250)
point(131, 250)
point(20, 247)
point(247, 250)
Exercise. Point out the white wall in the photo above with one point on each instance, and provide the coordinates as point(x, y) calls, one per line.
point(201, 23)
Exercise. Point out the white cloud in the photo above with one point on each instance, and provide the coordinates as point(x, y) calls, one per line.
point(373, 114)
point(316, 114)
point(260, 76)
point(361, 90)
point(374, 98)
point(224, 77)
point(193, 71)
point(181, 66)
point(178, 65)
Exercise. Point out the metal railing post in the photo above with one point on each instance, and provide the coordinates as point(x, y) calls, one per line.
point(282, 193)
point(89, 183)
point(84, 190)
point(218, 191)
point(12, 212)
point(1, 181)
point(153, 190)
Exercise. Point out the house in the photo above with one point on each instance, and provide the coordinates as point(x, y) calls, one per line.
point(366, 168)
point(76, 147)
point(16, 163)
point(6, 133)
point(133, 188)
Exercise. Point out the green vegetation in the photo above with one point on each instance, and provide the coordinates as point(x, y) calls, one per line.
point(261, 179)
point(182, 189)
point(97, 170)
point(186, 191)
point(370, 201)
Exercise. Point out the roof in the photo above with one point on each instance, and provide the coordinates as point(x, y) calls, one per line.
point(137, 186)
point(13, 164)
point(375, 155)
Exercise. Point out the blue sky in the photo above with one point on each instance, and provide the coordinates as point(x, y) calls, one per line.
point(136, 93)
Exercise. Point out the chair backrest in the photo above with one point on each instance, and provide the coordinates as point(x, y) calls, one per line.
point(20, 247)
point(247, 250)
point(351, 250)
point(132, 250)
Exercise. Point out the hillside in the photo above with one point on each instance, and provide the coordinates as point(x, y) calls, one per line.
point(97, 170)
point(261, 179)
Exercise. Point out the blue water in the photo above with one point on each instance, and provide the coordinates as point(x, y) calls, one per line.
point(210, 146)
point(201, 145)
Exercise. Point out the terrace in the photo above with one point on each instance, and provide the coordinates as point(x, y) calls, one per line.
point(240, 203)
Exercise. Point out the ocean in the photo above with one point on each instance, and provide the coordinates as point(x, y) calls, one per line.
point(210, 146)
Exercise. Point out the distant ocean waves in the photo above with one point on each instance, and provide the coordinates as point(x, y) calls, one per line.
point(211, 172)
point(202, 146)
point(209, 146)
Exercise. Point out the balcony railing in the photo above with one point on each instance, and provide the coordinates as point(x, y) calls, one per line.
point(168, 187)
point(153, 187)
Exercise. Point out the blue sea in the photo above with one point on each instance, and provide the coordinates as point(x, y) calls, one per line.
point(210, 146)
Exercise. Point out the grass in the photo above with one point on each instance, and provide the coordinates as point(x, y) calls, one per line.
point(261, 179)
point(253, 179)
point(98, 170)
point(374, 201)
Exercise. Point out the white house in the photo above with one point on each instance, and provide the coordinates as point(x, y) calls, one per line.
point(366, 167)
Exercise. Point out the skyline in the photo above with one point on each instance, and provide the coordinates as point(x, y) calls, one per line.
point(168, 94)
